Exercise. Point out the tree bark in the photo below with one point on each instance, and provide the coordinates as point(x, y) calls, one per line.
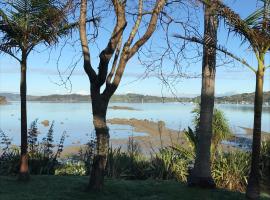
point(24, 171)
point(201, 173)
point(253, 188)
point(99, 108)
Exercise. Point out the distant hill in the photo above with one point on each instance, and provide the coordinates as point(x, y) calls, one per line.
point(245, 98)
point(127, 98)
point(3, 100)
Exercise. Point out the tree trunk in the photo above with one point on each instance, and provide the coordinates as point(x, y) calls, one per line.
point(24, 171)
point(253, 188)
point(99, 107)
point(201, 173)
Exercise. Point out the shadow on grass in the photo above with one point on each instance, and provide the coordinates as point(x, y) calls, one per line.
point(73, 188)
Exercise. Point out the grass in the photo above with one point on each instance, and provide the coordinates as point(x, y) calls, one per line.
point(73, 188)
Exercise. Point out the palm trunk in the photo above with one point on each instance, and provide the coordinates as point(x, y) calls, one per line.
point(99, 107)
point(201, 173)
point(24, 171)
point(253, 188)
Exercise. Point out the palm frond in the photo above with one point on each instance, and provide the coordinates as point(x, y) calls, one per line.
point(27, 23)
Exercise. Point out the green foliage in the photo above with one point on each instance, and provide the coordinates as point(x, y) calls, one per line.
point(27, 23)
point(71, 168)
point(5, 141)
point(9, 155)
point(260, 18)
point(169, 163)
point(192, 138)
point(42, 157)
point(86, 154)
point(230, 170)
point(220, 126)
point(47, 142)
point(265, 161)
point(9, 161)
point(130, 164)
point(32, 138)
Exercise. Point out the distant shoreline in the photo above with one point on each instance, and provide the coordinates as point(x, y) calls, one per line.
point(74, 102)
point(239, 99)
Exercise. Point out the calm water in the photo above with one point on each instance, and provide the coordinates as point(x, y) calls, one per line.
point(76, 119)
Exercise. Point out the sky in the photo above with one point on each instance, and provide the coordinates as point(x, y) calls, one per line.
point(43, 77)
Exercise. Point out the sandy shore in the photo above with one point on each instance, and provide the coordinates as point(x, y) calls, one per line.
point(158, 135)
point(122, 108)
point(249, 132)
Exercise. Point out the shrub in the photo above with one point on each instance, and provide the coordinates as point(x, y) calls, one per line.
point(265, 161)
point(42, 158)
point(230, 170)
point(220, 125)
point(169, 163)
point(130, 164)
point(71, 168)
point(9, 156)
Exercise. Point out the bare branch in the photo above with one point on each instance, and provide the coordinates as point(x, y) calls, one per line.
point(150, 29)
point(117, 52)
point(136, 25)
point(84, 43)
point(127, 52)
point(106, 55)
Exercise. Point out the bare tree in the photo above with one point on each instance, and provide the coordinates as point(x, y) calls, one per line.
point(120, 54)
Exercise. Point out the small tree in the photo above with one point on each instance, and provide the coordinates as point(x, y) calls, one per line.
point(122, 54)
point(220, 129)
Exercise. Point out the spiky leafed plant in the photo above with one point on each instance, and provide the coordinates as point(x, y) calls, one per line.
point(24, 24)
point(220, 128)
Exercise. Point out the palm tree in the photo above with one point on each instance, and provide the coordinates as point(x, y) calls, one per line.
point(255, 30)
point(24, 24)
point(259, 22)
point(201, 173)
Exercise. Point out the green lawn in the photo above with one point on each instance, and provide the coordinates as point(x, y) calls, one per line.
point(67, 188)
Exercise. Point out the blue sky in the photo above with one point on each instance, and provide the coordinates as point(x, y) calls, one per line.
point(43, 78)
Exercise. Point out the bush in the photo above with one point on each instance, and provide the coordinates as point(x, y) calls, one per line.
point(130, 164)
point(230, 170)
point(265, 161)
point(9, 161)
point(9, 157)
point(220, 128)
point(42, 158)
point(71, 168)
point(169, 163)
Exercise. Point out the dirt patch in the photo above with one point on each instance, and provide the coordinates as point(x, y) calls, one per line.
point(249, 131)
point(158, 135)
point(45, 123)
